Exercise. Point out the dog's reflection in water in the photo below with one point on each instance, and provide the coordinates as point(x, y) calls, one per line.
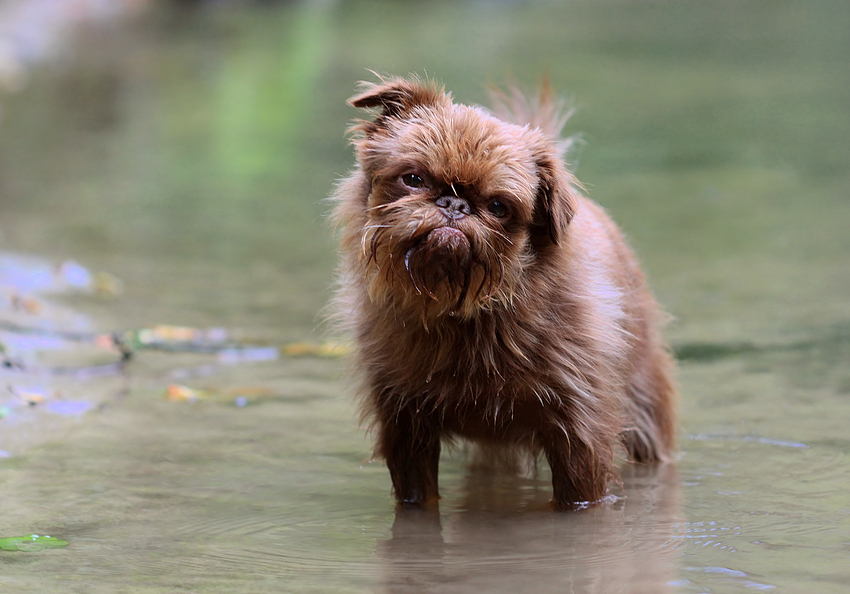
point(505, 539)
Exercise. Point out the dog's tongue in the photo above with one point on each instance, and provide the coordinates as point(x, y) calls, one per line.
point(443, 257)
point(448, 238)
point(447, 248)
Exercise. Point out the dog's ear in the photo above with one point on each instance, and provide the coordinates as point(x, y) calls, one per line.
point(555, 203)
point(397, 96)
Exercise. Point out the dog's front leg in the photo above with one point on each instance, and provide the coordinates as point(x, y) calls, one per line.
point(411, 446)
point(579, 476)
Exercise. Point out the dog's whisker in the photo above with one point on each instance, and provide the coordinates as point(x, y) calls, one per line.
point(376, 235)
point(410, 272)
point(379, 207)
point(504, 236)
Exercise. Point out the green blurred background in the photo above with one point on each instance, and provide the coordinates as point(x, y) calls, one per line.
point(201, 138)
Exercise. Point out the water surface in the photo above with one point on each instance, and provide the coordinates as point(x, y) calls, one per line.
point(188, 152)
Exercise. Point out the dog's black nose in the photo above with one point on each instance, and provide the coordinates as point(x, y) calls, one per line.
point(455, 207)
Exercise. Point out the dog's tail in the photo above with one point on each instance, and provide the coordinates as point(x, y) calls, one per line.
point(544, 111)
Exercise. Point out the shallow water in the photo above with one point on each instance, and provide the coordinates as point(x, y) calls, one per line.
point(188, 153)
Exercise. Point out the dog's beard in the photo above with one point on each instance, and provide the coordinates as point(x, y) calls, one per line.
point(430, 266)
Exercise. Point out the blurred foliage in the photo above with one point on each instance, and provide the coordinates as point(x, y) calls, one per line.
point(210, 137)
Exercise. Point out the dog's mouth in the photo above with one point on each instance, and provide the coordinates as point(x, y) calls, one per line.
point(442, 265)
point(448, 244)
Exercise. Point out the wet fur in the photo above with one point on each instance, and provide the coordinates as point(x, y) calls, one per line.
point(535, 333)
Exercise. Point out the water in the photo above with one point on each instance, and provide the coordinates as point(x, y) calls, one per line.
point(187, 154)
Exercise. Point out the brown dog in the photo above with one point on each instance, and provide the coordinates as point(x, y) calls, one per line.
point(489, 300)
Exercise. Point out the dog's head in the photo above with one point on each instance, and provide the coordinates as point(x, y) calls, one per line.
point(452, 204)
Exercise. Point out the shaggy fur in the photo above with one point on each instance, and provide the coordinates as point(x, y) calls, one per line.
point(489, 300)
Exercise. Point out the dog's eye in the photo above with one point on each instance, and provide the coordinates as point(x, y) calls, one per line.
point(498, 209)
point(411, 180)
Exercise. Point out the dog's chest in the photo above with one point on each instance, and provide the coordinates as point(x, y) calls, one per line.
point(476, 374)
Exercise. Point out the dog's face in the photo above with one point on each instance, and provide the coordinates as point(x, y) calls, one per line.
point(459, 203)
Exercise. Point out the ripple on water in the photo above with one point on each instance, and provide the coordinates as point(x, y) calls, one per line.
point(467, 545)
point(724, 577)
point(765, 512)
point(710, 534)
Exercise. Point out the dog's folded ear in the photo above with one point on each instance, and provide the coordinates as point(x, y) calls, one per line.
point(554, 205)
point(397, 96)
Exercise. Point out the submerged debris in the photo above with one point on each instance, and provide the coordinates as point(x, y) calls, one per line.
point(43, 344)
point(325, 349)
point(240, 396)
point(30, 395)
point(162, 338)
point(31, 543)
point(28, 275)
point(183, 393)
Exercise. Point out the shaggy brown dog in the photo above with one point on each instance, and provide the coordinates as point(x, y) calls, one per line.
point(489, 300)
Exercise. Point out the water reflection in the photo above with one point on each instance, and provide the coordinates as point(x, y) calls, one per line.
point(499, 542)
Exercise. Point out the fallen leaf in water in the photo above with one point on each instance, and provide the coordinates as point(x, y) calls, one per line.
point(28, 304)
point(326, 349)
point(168, 333)
point(239, 395)
point(164, 334)
point(183, 393)
point(332, 349)
point(31, 543)
point(297, 349)
point(31, 395)
point(107, 285)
